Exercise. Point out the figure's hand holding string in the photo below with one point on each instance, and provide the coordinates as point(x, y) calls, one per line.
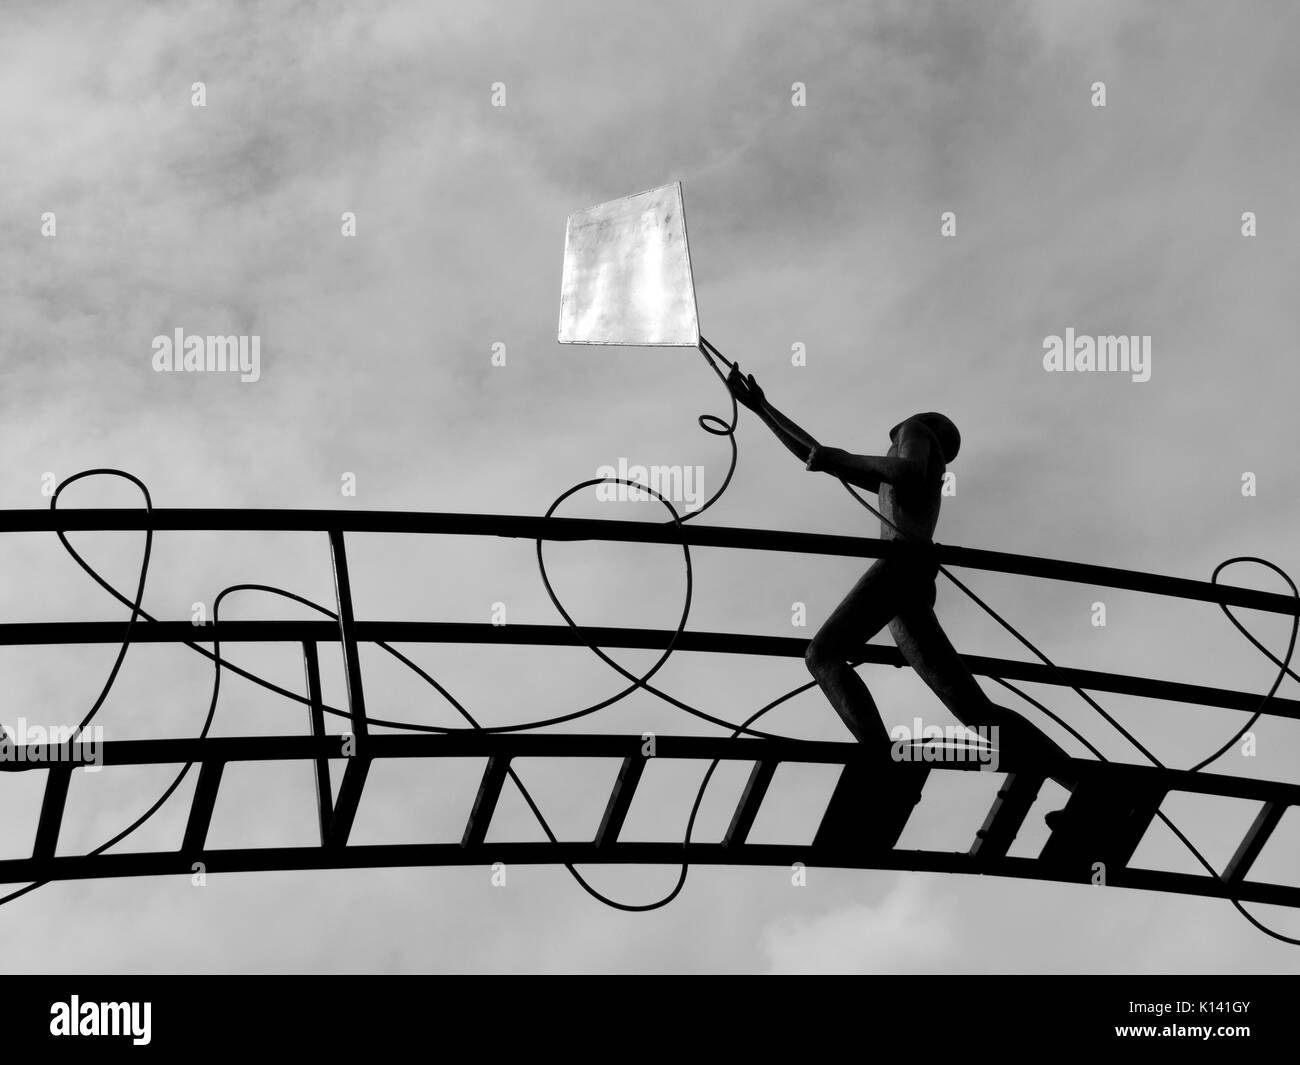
point(750, 394)
point(746, 390)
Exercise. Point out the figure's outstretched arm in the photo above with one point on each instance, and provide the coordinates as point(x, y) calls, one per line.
point(871, 471)
point(788, 430)
point(796, 439)
point(865, 471)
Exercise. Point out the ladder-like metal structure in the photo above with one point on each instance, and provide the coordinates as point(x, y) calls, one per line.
point(1110, 808)
point(1108, 812)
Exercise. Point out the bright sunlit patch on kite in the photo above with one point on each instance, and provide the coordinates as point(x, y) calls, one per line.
point(627, 274)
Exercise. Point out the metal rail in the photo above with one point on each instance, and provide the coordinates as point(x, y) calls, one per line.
point(531, 527)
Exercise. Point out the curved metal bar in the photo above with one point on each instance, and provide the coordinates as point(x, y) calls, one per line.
point(532, 527)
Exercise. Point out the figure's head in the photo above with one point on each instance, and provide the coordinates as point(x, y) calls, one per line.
point(943, 429)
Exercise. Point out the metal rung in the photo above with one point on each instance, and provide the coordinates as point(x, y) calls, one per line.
point(750, 801)
point(1007, 815)
point(345, 810)
point(316, 719)
point(620, 800)
point(485, 802)
point(348, 636)
point(1257, 835)
point(201, 806)
point(871, 805)
point(56, 796)
point(1104, 821)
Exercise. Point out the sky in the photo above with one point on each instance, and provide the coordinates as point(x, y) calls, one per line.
point(814, 229)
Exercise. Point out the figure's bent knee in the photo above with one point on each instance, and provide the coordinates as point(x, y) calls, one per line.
point(822, 654)
point(813, 657)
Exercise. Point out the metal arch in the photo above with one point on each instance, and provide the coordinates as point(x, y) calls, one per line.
point(1109, 810)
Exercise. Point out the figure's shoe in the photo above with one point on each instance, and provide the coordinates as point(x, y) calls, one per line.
point(1030, 750)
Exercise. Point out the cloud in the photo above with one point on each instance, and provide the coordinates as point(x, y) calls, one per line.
point(910, 930)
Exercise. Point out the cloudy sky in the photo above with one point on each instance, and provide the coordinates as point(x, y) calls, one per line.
point(817, 226)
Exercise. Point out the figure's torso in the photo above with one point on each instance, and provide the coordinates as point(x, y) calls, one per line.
point(915, 512)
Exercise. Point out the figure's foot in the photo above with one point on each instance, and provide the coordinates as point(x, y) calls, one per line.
point(1028, 747)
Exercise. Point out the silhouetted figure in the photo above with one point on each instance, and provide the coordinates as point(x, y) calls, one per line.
point(898, 592)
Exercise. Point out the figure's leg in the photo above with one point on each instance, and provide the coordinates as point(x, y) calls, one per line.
point(927, 649)
point(863, 613)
